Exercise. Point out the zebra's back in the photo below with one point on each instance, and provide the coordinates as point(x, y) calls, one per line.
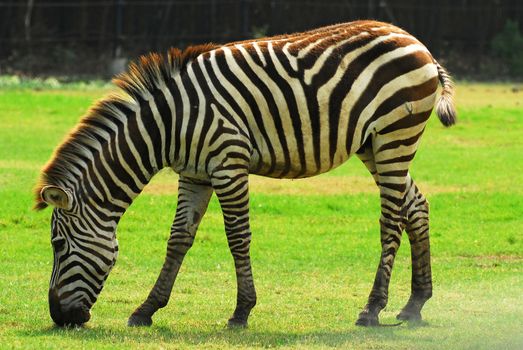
point(310, 100)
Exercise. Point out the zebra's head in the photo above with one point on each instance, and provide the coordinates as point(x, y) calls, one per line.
point(85, 250)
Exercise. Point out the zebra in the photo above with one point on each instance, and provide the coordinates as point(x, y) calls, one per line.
point(289, 106)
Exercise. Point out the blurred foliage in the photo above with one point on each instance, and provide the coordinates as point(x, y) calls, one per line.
point(508, 45)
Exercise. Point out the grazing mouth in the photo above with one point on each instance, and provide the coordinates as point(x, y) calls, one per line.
point(76, 315)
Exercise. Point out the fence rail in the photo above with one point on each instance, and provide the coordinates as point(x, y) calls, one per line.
point(103, 29)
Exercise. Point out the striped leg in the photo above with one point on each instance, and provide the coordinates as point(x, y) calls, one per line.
point(232, 190)
point(418, 232)
point(192, 203)
point(390, 171)
point(391, 228)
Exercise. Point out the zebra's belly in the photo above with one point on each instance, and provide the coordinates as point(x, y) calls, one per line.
point(308, 165)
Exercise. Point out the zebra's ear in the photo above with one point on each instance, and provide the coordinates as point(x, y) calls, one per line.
point(57, 196)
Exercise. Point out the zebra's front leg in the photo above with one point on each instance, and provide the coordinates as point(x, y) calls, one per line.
point(232, 190)
point(192, 203)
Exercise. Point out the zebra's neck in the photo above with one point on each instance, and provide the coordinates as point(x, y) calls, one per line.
point(138, 143)
point(123, 141)
point(114, 152)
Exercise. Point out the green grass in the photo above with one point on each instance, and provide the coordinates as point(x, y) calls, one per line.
point(314, 250)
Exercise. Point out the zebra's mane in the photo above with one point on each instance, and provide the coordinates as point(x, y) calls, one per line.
point(144, 75)
point(149, 70)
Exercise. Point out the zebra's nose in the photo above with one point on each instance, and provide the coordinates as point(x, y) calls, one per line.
point(75, 316)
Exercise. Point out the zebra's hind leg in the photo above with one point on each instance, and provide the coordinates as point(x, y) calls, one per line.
point(391, 230)
point(418, 231)
point(232, 190)
point(193, 199)
point(390, 173)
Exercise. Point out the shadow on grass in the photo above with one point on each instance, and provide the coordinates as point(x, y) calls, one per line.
point(233, 337)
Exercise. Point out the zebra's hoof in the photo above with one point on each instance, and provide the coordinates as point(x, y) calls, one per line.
point(410, 316)
point(367, 320)
point(139, 321)
point(235, 323)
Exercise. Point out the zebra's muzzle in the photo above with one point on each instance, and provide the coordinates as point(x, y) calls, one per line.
point(74, 316)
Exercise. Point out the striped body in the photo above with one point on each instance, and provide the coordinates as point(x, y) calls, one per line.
point(290, 106)
point(303, 111)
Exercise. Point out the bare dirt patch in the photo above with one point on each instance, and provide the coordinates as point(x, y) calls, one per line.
point(489, 95)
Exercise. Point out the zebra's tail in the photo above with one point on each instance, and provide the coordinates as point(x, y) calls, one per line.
point(445, 109)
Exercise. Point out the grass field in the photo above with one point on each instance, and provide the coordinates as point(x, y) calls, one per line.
point(315, 244)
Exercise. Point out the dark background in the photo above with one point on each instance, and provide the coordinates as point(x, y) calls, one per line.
point(80, 38)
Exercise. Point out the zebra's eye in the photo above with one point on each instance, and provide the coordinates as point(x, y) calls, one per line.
point(58, 244)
